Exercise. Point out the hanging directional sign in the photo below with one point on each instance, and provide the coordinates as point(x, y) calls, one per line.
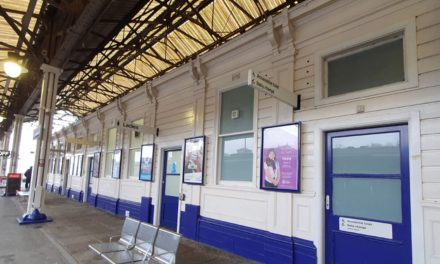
point(138, 128)
point(262, 83)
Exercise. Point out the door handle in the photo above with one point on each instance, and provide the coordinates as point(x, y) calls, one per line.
point(327, 202)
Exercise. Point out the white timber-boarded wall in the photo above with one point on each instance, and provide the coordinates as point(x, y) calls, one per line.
point(293, 60)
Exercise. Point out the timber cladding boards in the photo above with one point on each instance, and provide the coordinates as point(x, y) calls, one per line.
point(315, 30)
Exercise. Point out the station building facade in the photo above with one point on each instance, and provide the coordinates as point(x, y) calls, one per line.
point(368, 73)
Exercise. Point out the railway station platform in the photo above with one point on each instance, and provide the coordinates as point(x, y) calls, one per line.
point(76, 225)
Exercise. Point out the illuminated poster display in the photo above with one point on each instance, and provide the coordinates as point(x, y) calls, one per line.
point(146, 165)
point(280, 158)
point(194, 160)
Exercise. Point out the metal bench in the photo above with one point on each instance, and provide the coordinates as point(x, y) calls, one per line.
point(126, 241)
point(142, 250)
point(165, 247)
point(152, 245)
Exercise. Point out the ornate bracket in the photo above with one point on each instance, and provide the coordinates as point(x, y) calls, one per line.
point(273, 36)
point(288, 29)
point(100, 117)
point(196, 70)
point(121, 108)
point(150, 92)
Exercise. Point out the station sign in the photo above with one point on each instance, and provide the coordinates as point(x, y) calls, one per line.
point(137, 128)
point(262, 83)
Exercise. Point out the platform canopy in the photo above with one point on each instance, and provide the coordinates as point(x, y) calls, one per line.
point(108, 48)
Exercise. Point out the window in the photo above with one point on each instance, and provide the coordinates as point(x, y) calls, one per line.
point(71, 165)
point(111, 145)
point(79, 165)
point(236, 137)
point(75, 165)
point(60, 165)
point(51, 165)
point(54, 164)
point(134, 153)
point(374, 64)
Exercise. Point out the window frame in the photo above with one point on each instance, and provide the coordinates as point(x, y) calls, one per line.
point(219, 136)
point(109, 151)
point(131, 148)
point(348, 46)
point(79, 166)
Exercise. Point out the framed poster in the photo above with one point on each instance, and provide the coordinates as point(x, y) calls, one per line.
point(116, 166)
point(146, 163)
point(194, 160)
point(96, 164)
point(280, 158)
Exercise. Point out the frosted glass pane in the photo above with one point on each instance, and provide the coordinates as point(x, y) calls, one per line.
point(241, 99)
point(174, 161)
point(237, 158)
point(134, 156)
point(172, 185)
point(367, 154)
point(372, 198)
point(369, 68)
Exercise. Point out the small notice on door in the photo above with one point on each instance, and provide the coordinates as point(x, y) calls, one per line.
point(365, 227)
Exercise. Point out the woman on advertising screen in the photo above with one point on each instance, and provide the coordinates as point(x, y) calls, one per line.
point(271, 170)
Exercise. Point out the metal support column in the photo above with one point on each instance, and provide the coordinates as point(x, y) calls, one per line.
point(41, 166)
point(5, 146)
point(18, 125)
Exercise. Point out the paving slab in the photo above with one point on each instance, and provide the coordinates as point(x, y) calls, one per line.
point(75, 226)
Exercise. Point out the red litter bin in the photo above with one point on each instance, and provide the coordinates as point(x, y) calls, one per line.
point(13, 184)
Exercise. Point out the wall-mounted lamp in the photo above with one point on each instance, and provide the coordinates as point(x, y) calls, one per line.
point(12, 66)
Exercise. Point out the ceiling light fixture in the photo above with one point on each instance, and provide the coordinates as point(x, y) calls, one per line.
point(12, 67)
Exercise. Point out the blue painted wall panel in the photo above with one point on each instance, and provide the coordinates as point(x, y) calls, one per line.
point(76, 195)
point(133, 207)
point(248, 242)
point(151, 216)
point(189, 221)
point(57, 189)
point(146, 210)
point(91, 199)
point(107, 204)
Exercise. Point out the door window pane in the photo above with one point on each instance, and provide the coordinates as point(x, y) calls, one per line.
point(173, 162)
point(372, 198)
point(367, 154)
point(172, 185)
point(237, 157)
